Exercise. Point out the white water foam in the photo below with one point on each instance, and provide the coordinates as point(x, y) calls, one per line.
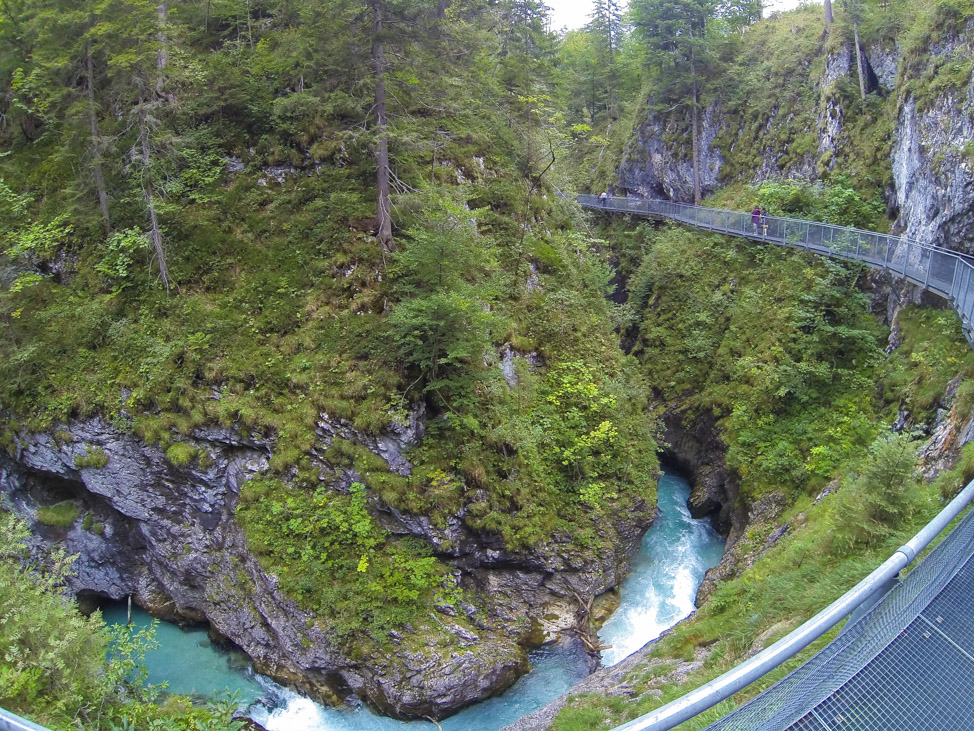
point(667, 572)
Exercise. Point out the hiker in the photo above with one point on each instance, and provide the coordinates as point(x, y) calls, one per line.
point(755, 217)
point(764, 220)
point(604, 197)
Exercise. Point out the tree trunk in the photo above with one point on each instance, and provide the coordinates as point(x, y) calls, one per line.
point(148, 194)
point(829, 19)
point(862, 77)
point(162, 55)
point(96, 168)
point(612, 72)
point(384, 214)
point(695, 122)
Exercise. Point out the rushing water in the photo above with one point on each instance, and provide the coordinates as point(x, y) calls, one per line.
point(666, 573)
point(675, 554)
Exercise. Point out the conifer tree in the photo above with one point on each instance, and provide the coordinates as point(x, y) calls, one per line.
point(680, 42)
point(605, 30)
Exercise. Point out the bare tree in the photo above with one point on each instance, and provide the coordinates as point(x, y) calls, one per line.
point(150, 100)
point(384, 213)
point(695, 121)
point(96, 167)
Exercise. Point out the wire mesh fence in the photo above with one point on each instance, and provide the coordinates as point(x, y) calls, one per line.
point(939, 270)
point(907, 664)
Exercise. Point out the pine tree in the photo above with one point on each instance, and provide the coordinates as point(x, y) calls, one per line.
point(605, 29)
point(680, 39)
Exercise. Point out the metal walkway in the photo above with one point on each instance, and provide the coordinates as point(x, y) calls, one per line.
point(939, 270)
point(907, 663)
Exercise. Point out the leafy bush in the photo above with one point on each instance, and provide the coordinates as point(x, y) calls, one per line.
point(837, 202)
point(334, 559)
point(60, 515)
point(932, 352)
point(65, 670)
point(778, 346)
point(93, 458)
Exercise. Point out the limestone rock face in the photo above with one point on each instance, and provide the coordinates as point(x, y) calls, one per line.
point(651, 168)
point(167, 535)
point(932, 192)
point(934, 170)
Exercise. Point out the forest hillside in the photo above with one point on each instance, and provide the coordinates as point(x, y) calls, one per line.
point(303, 338)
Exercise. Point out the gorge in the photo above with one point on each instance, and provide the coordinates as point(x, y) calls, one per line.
point(394, 465)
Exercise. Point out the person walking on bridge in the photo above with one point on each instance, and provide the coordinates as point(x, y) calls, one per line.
point(756, 217)
point(603, 198)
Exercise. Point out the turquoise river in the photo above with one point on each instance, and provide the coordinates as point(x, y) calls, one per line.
point(660, 591)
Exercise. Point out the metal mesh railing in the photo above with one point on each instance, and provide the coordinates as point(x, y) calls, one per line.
point(12, 722)
point(906, 664)
point(939, 270)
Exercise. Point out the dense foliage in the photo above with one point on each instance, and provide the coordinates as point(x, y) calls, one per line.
point(69, 671)
point(779, 347)
point(192, 236)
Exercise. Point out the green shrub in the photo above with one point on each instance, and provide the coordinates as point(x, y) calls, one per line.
point(93, 458)
point(65, 670)
point(181, 454)
point(334, 558)
point(60, 515)
point(878, 495)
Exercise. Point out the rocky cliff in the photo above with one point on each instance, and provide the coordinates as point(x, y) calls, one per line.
point(918, 148)
point(167, 535)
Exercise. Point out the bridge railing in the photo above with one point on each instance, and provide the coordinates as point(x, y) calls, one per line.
point(12, 722)
point(739, 677)
point(941, 271)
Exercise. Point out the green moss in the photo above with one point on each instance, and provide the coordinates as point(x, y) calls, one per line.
point(93, 458)
point(60, 515)
point(206, 460)
point(933, 352)
point(181, 454)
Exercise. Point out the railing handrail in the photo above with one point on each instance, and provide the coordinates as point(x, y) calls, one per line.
point(818, 224)
point(12, 722)
point(942, 271)
point(739, 677)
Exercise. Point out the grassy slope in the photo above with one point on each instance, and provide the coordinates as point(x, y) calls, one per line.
point(286, 308)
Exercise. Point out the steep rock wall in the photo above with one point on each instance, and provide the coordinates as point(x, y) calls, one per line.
point(167, 536)
point(933, 155)
point(931, 191)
